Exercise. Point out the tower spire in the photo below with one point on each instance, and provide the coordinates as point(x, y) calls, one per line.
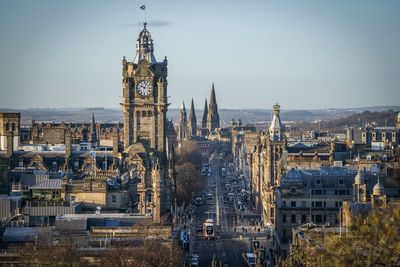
point(213, 116)
point(93, 134)
point(205, 113)
point(182, 123)
point(192, 123)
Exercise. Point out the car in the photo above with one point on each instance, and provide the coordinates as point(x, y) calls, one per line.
point(198, 201)
point(194, 260)
point(228, 187)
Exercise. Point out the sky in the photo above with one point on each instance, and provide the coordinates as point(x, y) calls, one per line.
point(302, 54)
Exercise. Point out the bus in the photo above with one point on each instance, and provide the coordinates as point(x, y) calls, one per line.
point(208, 229)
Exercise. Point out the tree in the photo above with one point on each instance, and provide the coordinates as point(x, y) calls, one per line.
point(189, 182)
point(374, 241)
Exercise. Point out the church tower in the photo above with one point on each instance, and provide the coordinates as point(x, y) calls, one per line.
point(182, 123)
point(192, 122)
point(144, 101)
point(212, 116)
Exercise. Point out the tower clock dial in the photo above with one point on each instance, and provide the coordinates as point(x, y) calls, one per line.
point(144, 88)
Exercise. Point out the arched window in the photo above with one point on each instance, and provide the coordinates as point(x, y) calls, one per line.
point(13, 126)
point(7, 127)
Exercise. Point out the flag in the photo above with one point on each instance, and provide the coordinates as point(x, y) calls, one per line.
point(142, 7)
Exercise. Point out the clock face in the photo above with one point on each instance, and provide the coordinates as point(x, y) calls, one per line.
point(144, 88)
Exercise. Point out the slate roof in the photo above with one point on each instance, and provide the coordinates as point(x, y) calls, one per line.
point(48, 184)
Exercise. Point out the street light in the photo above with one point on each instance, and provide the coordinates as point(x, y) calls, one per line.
point(310, 207)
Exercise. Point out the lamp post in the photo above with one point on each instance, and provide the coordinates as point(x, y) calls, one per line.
point(340, 221)
point(310, 207)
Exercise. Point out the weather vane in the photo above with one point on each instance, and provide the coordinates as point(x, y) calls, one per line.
point(143, 7)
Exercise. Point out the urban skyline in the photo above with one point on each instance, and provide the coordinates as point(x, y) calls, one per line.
point(71, 52)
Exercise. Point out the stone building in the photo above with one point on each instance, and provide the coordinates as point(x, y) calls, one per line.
point(9, 131)
point(136, 178)
point(267, 161)
point(144, 104)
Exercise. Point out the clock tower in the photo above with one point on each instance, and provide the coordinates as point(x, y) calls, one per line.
point(144, 101)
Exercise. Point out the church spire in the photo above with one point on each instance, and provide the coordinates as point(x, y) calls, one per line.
point(213, 116)
point(192, 123)
point(213, 101)
point(182, 123)
point(204, 121)
point(93, 134)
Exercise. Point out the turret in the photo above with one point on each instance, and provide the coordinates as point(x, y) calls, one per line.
point(276, 129)
point(144, 47)
point(378, 197)
point(359, 188)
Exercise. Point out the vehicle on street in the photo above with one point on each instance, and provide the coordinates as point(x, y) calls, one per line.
point(231, 197)
point(208, 229)
point(194, 261)
point(198, 201)
point(250, 259)
point(228, 187)
point(223, 172)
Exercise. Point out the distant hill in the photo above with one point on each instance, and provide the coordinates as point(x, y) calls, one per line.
point(384, 118)
point(261, 117)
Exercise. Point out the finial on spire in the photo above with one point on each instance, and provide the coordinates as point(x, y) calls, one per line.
point(277, 108)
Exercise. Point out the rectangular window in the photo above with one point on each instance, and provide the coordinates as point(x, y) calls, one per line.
point(318, 218)
point(149, 198)
point(318, 181)
point(303, 218)
point(341, 181)
point(113, 199)
point(283, 203)
point(318, 204)
point(293, 218)
point(284, 218)
point(293, 204)
point(303, 204)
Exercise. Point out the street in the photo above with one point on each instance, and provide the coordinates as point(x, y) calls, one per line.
point(232, 239)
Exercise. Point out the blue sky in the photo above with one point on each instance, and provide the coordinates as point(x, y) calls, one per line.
point(302, 54)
